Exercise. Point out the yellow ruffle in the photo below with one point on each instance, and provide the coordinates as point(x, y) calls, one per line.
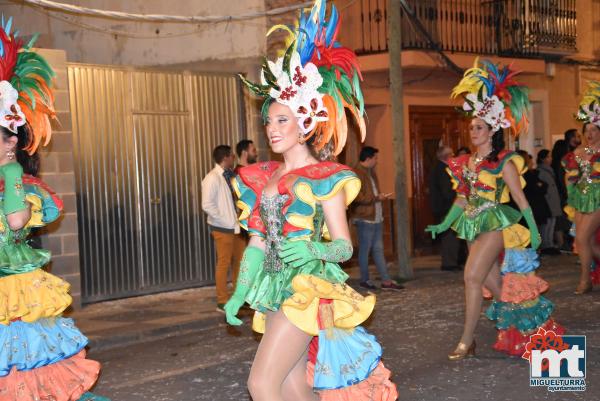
point(36, 211)
point(516, 236)
point(351, 186)
point(570, 212)
point(489, 178)
point(349, 307)
point(32, 296)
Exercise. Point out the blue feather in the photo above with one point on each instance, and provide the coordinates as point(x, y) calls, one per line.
point(8, 26)
point(331, 24)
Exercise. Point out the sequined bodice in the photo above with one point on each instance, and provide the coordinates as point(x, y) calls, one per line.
point(272, 216)
point(586, 174)
point(271, 213)
point(476, 204)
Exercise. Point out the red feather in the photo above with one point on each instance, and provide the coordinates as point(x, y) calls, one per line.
point(9, 61)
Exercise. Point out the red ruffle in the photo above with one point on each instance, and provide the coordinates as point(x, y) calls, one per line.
point(257, 175)
point(377, 387)
point(455, 166)
point(66, 380)
point(513, 342)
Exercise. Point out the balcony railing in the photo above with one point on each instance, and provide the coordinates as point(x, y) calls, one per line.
point(521, 28)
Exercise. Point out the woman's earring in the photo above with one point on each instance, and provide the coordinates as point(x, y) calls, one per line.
point(10, 154)
point(301, 139)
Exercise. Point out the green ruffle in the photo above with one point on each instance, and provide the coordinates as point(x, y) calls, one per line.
point(495, 218)
point(21, 258)
point(585, 203)
point(269, 290)
point(507, 314)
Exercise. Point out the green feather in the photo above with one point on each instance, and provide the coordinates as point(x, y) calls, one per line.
point(258, 90)
point(264, 111)
point(358, 93)
point(287, 58)
point(30, 44)
point(269, 76)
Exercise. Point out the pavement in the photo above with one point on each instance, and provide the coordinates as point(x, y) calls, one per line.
point(131, 320)
point(150, 355)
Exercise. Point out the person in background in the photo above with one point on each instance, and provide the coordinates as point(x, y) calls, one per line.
point(441, 198)
point(463, 151)
point(546, 174)
point(535, 190)
point(572, 138)
point(563, 225)
point(218, 204)
point(367, 215)
point(246, 153)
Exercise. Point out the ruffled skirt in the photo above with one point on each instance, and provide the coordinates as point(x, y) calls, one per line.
point(521, 310)
point(344, 360)
point(32, 296)
point(585, 202)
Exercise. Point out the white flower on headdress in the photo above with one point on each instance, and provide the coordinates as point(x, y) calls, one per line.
point(11, 116)
point(299, 91)
point(490, 110)
point(590, 114)
point(308, 118)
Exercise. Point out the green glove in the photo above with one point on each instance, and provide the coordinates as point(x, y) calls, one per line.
point(536, 240)
point(299, 253)
point(249, 266)
point(14, 195)
point(453, 214)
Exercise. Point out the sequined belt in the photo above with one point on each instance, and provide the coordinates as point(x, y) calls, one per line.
point(472, 211)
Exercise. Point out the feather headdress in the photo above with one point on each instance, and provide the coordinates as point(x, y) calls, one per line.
point(25, 81)
point(589, 108)
point(494, 95)
point(316, 77)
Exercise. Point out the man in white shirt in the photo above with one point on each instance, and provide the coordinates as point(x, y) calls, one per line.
point(218, 204)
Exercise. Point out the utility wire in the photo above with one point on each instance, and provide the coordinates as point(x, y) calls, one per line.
point(94, 12)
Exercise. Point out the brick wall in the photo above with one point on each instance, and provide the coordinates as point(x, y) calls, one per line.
point(61, 237)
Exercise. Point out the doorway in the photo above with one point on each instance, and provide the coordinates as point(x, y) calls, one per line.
point(430, 127)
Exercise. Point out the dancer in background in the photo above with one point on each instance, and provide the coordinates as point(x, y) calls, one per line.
point(43, 354)
point(295, 213)
point(483, 181)
point(582, 167)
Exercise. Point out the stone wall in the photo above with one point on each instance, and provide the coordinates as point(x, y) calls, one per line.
point(61, 237)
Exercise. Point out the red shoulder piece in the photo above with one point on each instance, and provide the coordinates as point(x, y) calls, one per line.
point(316, 171)
point(257, 175)
point(569, 162)
point(455, 167)
point(493, 165)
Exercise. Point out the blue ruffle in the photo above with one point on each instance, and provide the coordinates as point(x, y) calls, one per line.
point(92, 397)
point(520, 260)
point(345, 358)
point(50, 210)
point(507, 314)
point(27, 346)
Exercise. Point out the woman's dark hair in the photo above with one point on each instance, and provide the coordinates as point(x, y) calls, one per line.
point(30, 163)
point(497, 145)
point(541, 156)
point(325, 154)
point(570, 133)
point(463, 151)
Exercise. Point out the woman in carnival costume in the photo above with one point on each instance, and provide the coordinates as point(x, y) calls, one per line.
point(42, 355)
point(582, 167)
point(483, 182)
point(295, 212)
